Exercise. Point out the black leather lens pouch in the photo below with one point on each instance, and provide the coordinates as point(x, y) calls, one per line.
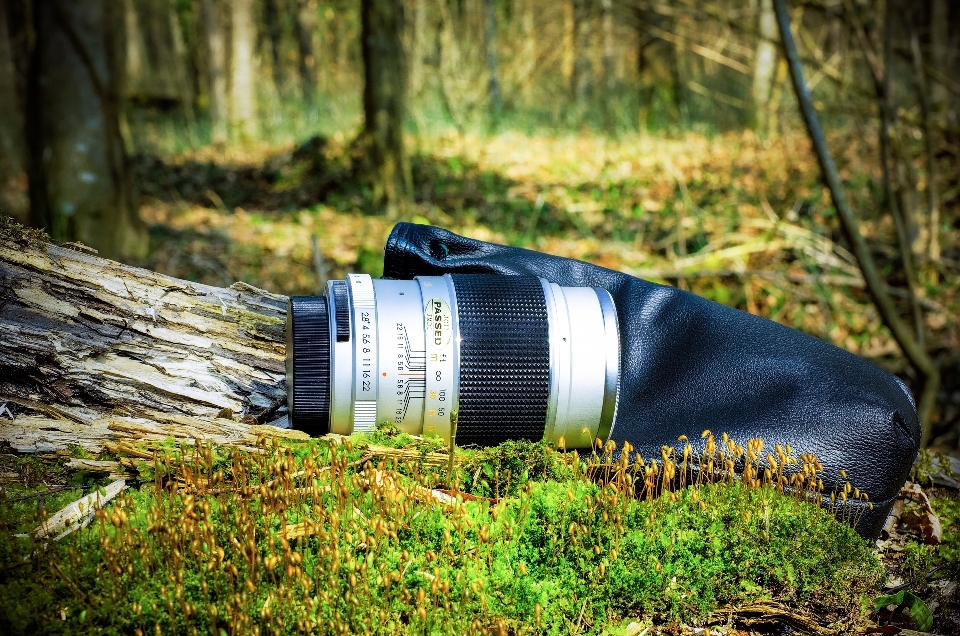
point(690, 364)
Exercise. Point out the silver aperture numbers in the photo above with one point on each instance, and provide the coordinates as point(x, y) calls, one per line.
point(402, 355)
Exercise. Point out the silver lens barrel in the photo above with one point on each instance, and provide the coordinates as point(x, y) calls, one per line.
point(505, 357)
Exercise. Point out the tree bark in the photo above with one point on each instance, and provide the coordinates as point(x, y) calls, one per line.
point(80, 186)
point(243, 99)
point(92, 352)
point(14, 191)
point(215, 53)
point(384, 104)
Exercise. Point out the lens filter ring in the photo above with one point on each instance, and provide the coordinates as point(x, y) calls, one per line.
point(308, 364)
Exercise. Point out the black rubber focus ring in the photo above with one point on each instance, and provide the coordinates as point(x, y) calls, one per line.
point(504, 358)
point(308, 364)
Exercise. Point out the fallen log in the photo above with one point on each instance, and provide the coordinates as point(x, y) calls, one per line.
point(93, 351)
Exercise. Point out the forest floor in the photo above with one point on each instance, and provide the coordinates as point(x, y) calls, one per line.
point(736, 219)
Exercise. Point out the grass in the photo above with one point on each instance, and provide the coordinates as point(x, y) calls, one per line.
point(373, 535)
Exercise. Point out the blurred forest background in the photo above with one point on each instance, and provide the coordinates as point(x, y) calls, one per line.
point(277, 141)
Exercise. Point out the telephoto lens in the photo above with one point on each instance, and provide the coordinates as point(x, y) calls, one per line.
point(481, 358)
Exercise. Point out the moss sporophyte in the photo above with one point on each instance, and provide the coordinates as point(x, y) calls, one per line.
point(381, 534)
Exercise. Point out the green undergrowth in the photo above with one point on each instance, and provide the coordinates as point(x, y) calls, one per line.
point(374, 534)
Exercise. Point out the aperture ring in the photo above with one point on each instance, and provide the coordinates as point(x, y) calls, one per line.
point(504, 358)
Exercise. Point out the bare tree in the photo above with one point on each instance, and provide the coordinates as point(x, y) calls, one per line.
point(215, 54)
point(384, 104)
point(765, 64)
point(80, 186)
point(243, 99)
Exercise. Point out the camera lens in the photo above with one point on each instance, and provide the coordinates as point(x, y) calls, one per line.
point(501, 357)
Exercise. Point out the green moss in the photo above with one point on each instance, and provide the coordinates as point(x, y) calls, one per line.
point(16, 233)
point(929, 463)
point(299, 538)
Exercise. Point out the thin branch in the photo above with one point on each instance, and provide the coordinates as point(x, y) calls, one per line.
point(933, 200)
point(875, 71)
point(915, 353)
point(700, 50)
point(886, 161)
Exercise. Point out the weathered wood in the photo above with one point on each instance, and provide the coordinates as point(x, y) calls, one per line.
point(79, 513)
point(92, 350)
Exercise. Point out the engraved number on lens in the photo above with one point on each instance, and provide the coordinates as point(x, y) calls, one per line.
point(411, 373)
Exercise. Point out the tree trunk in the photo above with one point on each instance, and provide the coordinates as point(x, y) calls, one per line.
point(215, 53)
point(271, 14)
point(92, 351)
point(384, 104)
point(243, 101)
point(764, 65)
point(306, 26)
point(80, 186)
point(490, 42)
point(14, 192)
